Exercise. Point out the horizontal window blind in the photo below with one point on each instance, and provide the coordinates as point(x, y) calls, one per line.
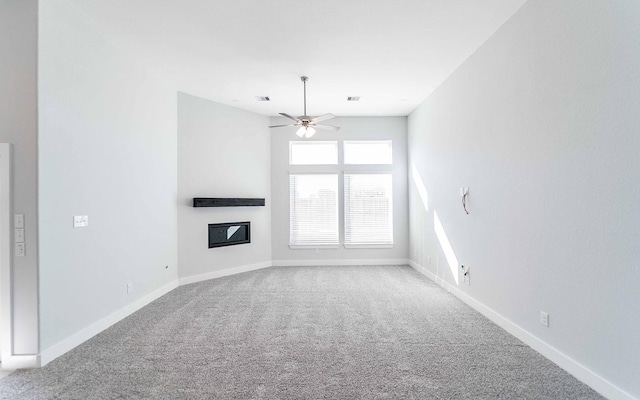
point(368, 209)
point(313, 217)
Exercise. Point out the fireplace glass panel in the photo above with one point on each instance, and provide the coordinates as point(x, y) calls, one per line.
point(229, 234)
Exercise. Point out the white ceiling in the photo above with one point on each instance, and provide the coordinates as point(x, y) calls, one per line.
point(391, 53)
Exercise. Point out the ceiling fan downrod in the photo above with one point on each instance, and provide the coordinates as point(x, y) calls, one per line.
point(304, 80)
point(307, 125)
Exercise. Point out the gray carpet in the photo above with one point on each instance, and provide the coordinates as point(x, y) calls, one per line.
point(302, 333)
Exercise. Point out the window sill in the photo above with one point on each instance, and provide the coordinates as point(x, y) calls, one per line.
point(313, 246)
point(368, 246)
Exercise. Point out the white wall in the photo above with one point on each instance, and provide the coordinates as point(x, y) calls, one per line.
point(107, 149)
point(18, 125)
point(542, 125)
point(222, 152)
point(351, 128)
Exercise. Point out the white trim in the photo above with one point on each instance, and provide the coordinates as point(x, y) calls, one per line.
point(223, 272)
point(90, 331)
point(6, 223)
point(5, 373)
point(313, 246)
point(368, 245)
point(317, 263)
point(20, 362)
point(582, 373)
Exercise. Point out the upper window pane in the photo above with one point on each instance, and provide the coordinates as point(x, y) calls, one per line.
point(313, 153)
point(367, 152)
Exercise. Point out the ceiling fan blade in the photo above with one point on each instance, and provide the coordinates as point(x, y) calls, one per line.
point(322, 117)
point(280, 126)
point(328, 127)
point(289, 116)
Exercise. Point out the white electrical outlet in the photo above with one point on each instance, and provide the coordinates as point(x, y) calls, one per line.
point(544, 318)
point(80, 221)
point(129, 287)
point(20, 250)
point(466, 274)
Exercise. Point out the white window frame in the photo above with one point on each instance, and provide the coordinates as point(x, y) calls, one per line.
point(339, 170)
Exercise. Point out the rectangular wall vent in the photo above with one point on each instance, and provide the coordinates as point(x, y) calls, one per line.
point(263, 98)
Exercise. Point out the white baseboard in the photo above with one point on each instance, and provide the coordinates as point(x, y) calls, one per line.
point(12, 362)
point(87, 333)
point(285, 263)
point(223, 272)
point(6, 372)
point(317, 263)
point(582, 373)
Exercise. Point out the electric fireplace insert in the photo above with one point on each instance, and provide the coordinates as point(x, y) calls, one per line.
point(229, 234)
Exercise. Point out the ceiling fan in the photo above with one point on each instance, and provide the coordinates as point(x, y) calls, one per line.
point(307, 124)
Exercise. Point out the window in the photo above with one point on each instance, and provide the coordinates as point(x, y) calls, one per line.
point(367, 152)
point(368, 211)
point(313, 218)
point(327, 202)
point(313, 153)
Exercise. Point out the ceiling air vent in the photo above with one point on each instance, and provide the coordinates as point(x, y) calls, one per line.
point(353, 98)
point(263, 98)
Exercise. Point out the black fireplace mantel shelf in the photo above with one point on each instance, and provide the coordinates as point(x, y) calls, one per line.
point(226, 202)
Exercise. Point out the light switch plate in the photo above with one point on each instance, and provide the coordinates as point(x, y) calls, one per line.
point(544, 318)
point(18, 221)
point(19, 235)
point(80, 221)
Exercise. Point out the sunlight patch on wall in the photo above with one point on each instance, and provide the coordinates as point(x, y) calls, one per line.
point(452, 260)
point(422, 190)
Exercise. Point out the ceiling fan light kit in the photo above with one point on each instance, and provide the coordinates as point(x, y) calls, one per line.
point(306, 131)
point(307, 125)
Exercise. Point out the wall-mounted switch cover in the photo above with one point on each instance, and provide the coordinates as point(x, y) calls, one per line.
point(19, 235)
point(18, 221)
point(544, 318)
point(129, 287)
